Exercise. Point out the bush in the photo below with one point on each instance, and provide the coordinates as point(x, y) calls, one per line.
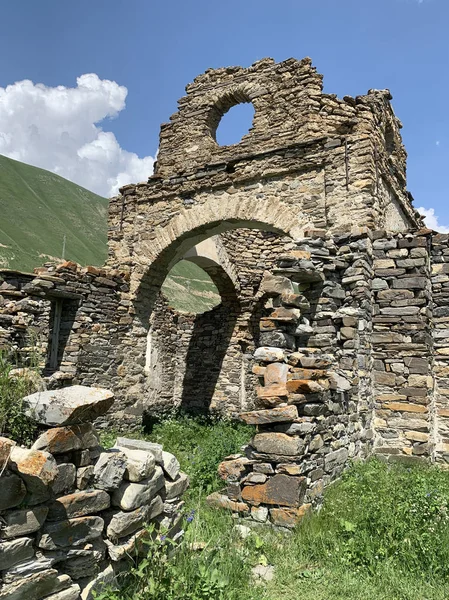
point(13, 421)
point(380, 515)
point(200, 444)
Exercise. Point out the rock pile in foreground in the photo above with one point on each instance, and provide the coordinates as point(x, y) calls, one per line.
point(72, 515)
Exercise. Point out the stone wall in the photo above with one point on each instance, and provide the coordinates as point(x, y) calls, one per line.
point(73, 515)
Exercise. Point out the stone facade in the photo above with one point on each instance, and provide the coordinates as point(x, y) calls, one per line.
point(73, 515)
point(331, 334)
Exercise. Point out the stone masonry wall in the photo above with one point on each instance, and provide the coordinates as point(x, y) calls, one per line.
point(74, 515)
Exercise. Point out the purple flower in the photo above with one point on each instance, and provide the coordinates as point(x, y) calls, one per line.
point(191, 516)
point(162, 538)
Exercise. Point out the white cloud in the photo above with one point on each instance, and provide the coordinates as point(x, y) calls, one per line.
point(56, 128)
point(432, 220)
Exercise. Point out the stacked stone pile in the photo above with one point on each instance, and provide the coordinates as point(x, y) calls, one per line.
point(73, 514)
point(308, 415)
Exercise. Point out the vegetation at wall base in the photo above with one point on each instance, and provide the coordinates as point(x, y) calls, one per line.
point(382, 532)
point(13, 421)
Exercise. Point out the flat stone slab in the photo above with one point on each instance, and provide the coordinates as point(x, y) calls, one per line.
point(280, 414)
point(68, 406)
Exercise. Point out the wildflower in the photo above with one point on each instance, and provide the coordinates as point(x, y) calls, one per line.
point(191, 516)
point(162, 538)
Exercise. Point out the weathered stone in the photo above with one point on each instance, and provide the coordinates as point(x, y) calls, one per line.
point(15, 551)
point(38, 471)
point(287, 315)
point(123, 524)
point(170, 465)
point(278, 443)
point(69, 405)
point(13, 490)
point(259, 513)
point(60, 440)
point(78, 504)
point(274, 415)
point(65, 479)
point(139, 464)
point(21, 522)
point(304, 386)
point(130, 444)
point(36, 586)
point(110, 470)
point(288, 517)
point(275, 285)
point(71, 593)
point(279, 490)
point(73, 532)
point(84, 477)
point(269, 354)
point(279, 339)
point(130, 496)
point(233, 469)
point(335, 459)
point(275, 373)
point(6, 446)
point(177, 487)
point(217, 500)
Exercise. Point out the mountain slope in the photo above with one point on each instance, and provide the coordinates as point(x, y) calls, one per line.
point(38, 209)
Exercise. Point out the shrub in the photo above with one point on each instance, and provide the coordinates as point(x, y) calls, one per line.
point(200, 444)
point(13, 421)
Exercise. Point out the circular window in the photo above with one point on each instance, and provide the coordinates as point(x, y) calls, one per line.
point(234, 124)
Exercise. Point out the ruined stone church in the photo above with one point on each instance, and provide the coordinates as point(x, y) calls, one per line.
point(333, 327)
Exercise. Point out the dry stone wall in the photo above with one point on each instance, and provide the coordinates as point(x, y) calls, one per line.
point(72, 514)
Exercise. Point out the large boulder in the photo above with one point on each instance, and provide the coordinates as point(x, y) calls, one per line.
point(68, 406)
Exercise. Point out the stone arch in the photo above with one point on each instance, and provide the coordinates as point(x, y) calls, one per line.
point(196, 223)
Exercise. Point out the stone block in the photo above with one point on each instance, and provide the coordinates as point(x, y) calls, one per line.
point(139, 464)
point(275, 374)
point(84, 477)
point(280, 490)
point(289, 517)
point(128, 443)
point(109, 470)
point(285, 315)
point(233, 469)
point(275, 285)
point(279, 339)
point(65, 479)
point(274, 415)
point(70, 593)
point(69, 405)
point(71, 532)
point(61, 440)
point(21, 522)
point(13, 490)
point(36, 586)
point(278, 443)
point(38, 471)
point(78, 504)
point(335, 459)
point(15, 551)
point(217, 500)
point(6, 446)
point(130, 496)
point(174, 489)
point(123, 524)
point(259, 513)
point(304, 386)
point(409, 283)
point(269, 354)
point(170, 465)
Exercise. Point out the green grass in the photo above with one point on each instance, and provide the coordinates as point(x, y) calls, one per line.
point(381, 534)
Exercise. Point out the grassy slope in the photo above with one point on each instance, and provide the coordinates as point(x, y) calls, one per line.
point(38, 208)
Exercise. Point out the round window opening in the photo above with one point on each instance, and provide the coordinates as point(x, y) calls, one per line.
point(235, 124)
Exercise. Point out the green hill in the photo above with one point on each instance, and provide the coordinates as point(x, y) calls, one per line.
point(39, 209)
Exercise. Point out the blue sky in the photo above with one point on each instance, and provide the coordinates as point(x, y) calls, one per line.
point(155, 48)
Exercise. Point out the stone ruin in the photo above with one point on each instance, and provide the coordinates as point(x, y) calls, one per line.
point(73, 515)
point(332, 332)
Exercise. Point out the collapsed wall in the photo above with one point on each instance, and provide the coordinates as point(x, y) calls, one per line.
point(74, 515)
